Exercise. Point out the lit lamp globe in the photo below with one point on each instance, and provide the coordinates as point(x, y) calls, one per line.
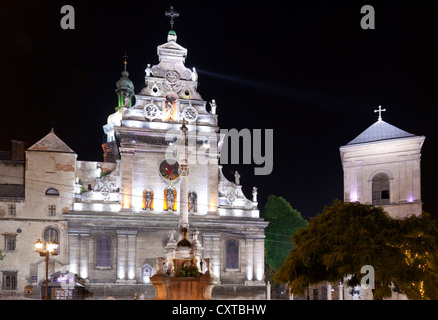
point(39, 246)
point(52, 246)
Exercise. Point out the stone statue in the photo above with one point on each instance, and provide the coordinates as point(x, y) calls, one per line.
point(254, 194)
point(213, 106)
point(148, 70)
point(148, 199)
point(171, 240)
point(192, 201)
point(170, 199)
point(194, 75)
point(237, 178)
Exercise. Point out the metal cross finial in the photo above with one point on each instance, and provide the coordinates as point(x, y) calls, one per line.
point(125, 60)
point(380, 110)
point(171, 14)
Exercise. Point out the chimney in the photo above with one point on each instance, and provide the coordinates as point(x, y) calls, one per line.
point(18, 148)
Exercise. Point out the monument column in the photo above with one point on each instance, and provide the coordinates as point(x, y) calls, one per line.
point(183, 189)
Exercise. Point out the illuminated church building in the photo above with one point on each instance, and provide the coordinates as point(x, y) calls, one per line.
point(113, 219)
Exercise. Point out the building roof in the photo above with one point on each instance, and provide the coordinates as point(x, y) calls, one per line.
point(380, 131)
point(11, 191)
point(51, 143)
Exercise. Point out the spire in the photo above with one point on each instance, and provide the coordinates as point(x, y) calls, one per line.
point(125, 87)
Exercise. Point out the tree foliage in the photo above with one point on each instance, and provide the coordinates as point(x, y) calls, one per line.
point(347, 236)
point(284, 221)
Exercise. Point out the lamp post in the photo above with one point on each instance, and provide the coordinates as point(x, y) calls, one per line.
point(45, 249)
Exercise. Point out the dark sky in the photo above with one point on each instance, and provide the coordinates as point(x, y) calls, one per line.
point(308, 71)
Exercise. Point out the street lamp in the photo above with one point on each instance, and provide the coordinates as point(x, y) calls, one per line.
point(46, 249)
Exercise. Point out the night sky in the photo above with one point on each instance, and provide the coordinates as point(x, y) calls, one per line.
point(308, 71)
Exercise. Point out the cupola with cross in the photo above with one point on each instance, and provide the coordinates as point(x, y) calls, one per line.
point(125, 87)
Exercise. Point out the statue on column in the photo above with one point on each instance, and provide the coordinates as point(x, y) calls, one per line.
point(194, 75)
point(148, 70)
point(254, 194)
point(213, 106)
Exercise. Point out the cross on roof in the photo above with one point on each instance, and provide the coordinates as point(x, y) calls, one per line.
point(171, 14)
point(125, 59)
point(380, 110)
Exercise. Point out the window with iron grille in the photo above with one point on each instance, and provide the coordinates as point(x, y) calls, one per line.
point(9, 280)
point(10, 244)
point(52, 210)
point(12, 209)
point(103, 252)
point(232, 254)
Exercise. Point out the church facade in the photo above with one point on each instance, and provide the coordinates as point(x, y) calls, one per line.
point(114, 219)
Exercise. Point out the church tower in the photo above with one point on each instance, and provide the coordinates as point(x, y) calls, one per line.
point(382, 167)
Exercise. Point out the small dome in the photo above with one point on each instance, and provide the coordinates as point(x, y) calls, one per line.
point(124, 82)
point(171, 36)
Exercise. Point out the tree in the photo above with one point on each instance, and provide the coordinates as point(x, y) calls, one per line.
point(347, 236)
point(1, 255)
point(284, 221)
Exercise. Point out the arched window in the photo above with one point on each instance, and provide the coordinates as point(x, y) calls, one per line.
point(51, 235)
point(232, 252)
point(103, 252)
point(380, 189)
point(52, 192)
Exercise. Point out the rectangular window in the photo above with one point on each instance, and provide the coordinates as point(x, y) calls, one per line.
point(52, 210)
point(9, 280)
point(12, 210)
point(10, 244)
